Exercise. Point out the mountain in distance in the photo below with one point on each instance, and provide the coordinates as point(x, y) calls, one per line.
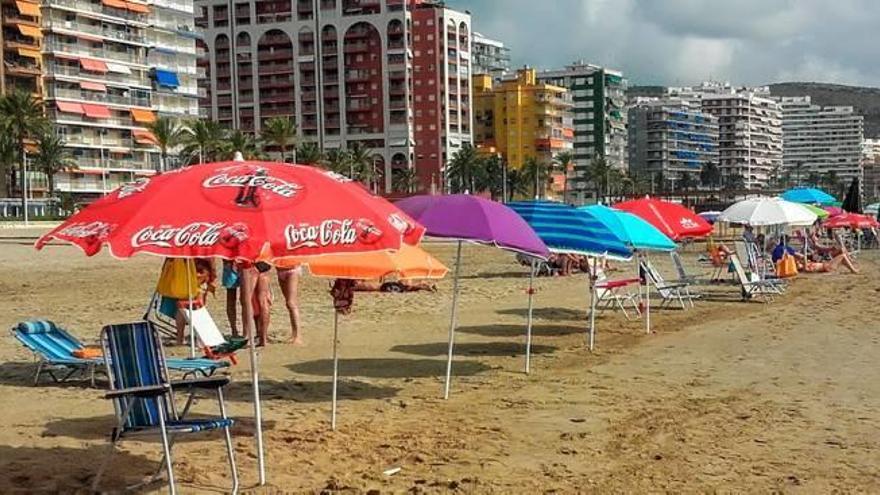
point(864, 100)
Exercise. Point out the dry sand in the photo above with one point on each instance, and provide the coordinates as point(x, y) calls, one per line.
point(729, 397)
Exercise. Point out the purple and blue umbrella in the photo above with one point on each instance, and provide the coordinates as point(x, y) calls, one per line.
point(466, 218)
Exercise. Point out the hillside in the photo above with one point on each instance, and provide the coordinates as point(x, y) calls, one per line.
point(866, 101)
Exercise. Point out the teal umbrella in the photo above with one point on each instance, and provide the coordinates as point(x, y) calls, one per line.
point(632, 230)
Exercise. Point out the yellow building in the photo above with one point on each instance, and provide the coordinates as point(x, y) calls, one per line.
point(20, 44)
point(520, 118)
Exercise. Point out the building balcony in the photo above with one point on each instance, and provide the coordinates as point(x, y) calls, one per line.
point(96, 96)
point(83, 50)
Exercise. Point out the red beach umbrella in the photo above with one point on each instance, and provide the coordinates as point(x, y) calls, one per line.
point(673, 219)
point(851, 220)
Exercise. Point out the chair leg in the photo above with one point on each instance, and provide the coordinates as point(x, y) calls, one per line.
point(166, 447)
point(104, 463)
point(38, 373)
point(229, 450)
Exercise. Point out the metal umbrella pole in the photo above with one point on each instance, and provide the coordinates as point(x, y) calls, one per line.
point(647, 298)
point(335, 367)
point(529, 325)
point(452, 321)
point(593, 278)
point(189, 289)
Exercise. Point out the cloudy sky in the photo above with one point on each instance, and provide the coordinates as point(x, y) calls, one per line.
point(677, 42)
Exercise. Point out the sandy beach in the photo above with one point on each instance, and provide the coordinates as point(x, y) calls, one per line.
point(727, 397)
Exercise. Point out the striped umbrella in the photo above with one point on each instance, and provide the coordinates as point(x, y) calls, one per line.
point(566, 229)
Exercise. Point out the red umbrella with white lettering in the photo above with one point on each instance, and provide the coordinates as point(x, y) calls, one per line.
point(238, 210)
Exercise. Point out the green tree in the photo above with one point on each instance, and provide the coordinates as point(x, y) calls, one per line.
point(362, 164)
point(308, 154)
point(21, 118)
point(280, 132)
point(244, 143)
point(517, 184)
point(406, 180)
point(52, 158)
point(490, 175)
point(538, 175)
point(463, 169)
point(830, 181)
point(814, 179)
point(735, 182)
point(203, 141)
point(337, 160)
point(600, 175)
point(7, 161)
point(710, 175)
point(564, 161)
point(169, 133)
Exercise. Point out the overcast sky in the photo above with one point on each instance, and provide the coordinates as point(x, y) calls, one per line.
point(678, 42)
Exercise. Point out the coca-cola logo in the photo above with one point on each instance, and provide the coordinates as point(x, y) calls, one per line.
point(257, 180)
point(196, 234)
point(399, 223)
point(83, 230)
point(688, 223)
point(336, 176)
point(343, 232)
point(132, 188)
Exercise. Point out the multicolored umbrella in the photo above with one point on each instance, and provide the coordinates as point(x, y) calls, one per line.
point(822, 213)
point(466, 218)
point(833, 211)
point(809, 195)
point(239, 210)
point(674, 220)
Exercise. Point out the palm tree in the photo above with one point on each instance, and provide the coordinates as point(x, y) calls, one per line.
point(203, 140)
point(52, 157)
point(7, 161)
point(490, 176)
point(564, 160)
point(462, 170)
point(599, 173)
point(21, 118)
point(361, 164)
point(538, 175)
point(517, 184)
point(337, 160)
point(169, 133)
point(244, 143)
point(406, 180)
point(710, 175)
point(308, 154)
point(281, 132)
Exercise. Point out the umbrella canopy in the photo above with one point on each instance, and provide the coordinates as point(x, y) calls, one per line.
point(673, 219)
point(822, 213)
point(833, 210)
point(710, 216)
point(853, 200)
point(851, 220)
point(873, 209)
point(475, 219)
point(635, 232)
point(566, 229)
point(809, 195)
point(239, 210)
point(408, 262)
point(768, 211)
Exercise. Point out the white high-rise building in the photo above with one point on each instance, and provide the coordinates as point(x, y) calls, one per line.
point(489, 56)
point(821, 140)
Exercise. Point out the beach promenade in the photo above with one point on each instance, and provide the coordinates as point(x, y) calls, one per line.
point(729, 396)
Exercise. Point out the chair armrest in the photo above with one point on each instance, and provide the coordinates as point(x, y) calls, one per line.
point(148, 391)
point(204, 383)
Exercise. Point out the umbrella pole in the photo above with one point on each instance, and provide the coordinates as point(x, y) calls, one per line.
point(452, 321)
point(249, 327)
point(189, 290)
point(593, 302)
point(335, 368)
point(529, 325)
point(647, 303)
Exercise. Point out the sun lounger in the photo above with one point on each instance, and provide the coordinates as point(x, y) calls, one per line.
point(753, 287)
point(213, 343)
point(55, 349)
point(670, 292)
point(143, 397)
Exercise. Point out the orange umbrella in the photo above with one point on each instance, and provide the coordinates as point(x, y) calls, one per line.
point(407, 262)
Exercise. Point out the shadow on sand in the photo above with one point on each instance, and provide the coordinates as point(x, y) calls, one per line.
point(472, 349)
point(550, 313)
point(310, 391)
point(99, 428)
point(507, 330)
point(387, 368)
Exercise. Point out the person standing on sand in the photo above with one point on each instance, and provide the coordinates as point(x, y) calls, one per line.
point(231, 282)
point(288, 279)
point(255, 299)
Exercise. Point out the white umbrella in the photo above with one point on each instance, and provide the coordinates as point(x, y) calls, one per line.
point(764, 211)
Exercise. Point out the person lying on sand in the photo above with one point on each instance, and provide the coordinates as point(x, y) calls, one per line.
point(393, 286)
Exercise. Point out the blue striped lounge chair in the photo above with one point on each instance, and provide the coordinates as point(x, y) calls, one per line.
point(143, 397)
point(53, 347)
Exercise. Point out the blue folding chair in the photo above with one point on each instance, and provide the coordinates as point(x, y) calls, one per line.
point(143, 397)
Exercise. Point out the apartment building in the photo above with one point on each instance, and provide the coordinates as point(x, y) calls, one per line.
point(109, 68)
point(490, 56)
point(393, 75)
point(600, 117)
point(671, 138)
point(871, 169)
point(820, 140)
point(20, 43)
point(520, 118)
point(750, 136)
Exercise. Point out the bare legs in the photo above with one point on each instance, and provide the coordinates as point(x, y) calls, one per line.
point(248, 284)
point(261, 291)
point(231, 310)
point(289, 282)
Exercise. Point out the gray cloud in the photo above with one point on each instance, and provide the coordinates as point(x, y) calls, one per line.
point(687, 41)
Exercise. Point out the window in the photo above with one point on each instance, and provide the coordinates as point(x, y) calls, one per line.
point(430, 37)
point(430, 22)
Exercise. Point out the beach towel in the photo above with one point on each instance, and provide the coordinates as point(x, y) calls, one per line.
point(178, 279)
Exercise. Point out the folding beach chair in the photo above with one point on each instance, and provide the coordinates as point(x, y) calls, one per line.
point(213, 343)
point(683, 276)
point(752, 286)
point(760, 267)
point(55, 351)
point(143, 397)
point(612, 294)
point(669, 291)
